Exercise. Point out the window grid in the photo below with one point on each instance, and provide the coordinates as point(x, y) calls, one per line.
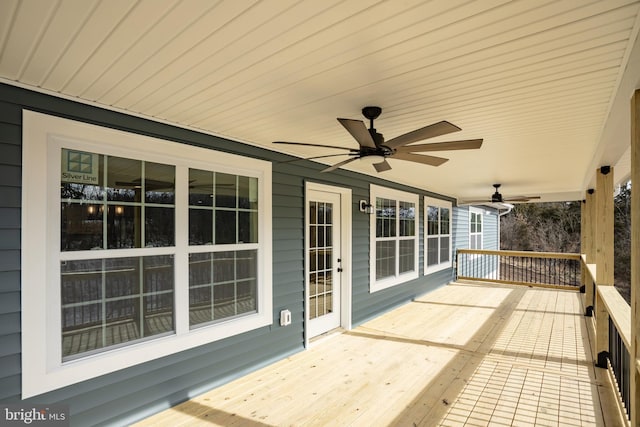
point(394, 239)
point(438, 234)
point(102, 319)
point(475, 230)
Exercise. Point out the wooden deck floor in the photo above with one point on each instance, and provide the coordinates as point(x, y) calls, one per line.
point(464, 355)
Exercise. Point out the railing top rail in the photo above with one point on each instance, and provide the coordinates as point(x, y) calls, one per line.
point(619, 311)
point(529, 254)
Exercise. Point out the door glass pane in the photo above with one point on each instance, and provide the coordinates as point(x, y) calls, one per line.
point(320, 259)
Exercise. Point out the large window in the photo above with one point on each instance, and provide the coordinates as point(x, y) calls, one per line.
point(438, 235)
point(475, 228)
point(394, 238)
point(135, 248)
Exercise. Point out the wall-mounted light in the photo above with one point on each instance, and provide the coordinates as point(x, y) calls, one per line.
point(119, 210)
point(366, 207)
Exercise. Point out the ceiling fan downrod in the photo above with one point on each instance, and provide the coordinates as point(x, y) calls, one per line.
point(372, 113)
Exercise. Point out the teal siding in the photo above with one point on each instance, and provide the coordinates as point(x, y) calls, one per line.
point(133, 393)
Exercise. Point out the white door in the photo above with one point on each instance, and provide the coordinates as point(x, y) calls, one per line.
point(324, 263)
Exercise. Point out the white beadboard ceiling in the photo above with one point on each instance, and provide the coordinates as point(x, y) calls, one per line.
point(546, 83)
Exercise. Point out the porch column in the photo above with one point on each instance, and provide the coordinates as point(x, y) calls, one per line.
point(588, 247)
point(603, 256)
point(635, 259)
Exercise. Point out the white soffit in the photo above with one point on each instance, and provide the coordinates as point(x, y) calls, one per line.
point(538, 80)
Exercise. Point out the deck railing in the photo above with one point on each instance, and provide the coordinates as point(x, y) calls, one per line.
point(614, 320)
point(549, 269)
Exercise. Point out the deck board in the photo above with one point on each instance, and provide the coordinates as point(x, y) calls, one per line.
point(464, 355)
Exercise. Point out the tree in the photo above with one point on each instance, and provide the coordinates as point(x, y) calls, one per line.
point(555, 227)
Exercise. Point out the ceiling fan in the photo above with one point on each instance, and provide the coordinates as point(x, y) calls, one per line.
point(498, 198)
point(375, 148)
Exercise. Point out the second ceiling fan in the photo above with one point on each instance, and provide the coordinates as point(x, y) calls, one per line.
point(373, 145)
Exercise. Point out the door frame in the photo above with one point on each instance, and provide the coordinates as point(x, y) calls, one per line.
point(345, 255)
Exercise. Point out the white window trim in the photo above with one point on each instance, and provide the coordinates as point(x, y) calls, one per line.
point(479, 212)
point(43, 135)
point(388, 193)
point(430, 201)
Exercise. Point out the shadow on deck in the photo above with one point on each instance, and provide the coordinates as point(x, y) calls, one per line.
point(468, 354)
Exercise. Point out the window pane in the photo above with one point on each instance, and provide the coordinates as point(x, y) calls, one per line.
point(159, 227)
point(432, 251)
point(444, 249)
point(222, 285)
point(200, 187)
point(200, 226)
point(385, 259)
point(247, 227)
point(123, 227)
point(109, 302)
point(444, 221)
point(225, 190)
point(159, 183)
point(124, 179)
point(407, 256)
point(407, 219)
point(247, 193)
point(225, 227)
point(432, 220)
point(82, 176)
point(81, 226)
point(385, 217)
point(200, 288)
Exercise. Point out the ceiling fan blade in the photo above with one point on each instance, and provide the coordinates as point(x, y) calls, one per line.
point(419, 158)
point(468, 144)
point(337, 165)
point(312, 145)
point(359, 132)
point(382, 166)
point(469, 202)
point(319, 157)
point(431, 131)
point(520, 198)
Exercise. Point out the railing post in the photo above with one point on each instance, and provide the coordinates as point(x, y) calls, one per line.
point(604, 257)
point(635, 260)
point(588, 237)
